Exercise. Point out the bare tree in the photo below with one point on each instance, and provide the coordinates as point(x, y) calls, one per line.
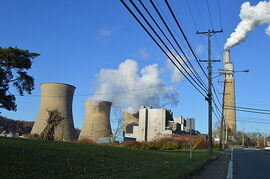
point(117, 124)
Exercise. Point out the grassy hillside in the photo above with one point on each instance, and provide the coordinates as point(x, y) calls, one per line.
point(44, 159)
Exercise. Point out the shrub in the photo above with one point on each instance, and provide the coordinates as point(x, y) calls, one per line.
point(84, 141)
point(168, 142)
point(31, 136)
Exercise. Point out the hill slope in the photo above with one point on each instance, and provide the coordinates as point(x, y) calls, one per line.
point(44, 159)
point(15, 126)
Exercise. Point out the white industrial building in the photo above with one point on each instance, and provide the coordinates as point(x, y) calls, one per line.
point(155, 123)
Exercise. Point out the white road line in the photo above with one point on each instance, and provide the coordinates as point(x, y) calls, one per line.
point(230, 167)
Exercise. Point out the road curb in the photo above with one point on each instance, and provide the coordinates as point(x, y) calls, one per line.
point(230, 166)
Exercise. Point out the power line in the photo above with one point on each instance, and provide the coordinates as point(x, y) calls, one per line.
point(192, 17)
point(255, 109)
point(169, 22)
point(220, 19)
point(216, 95)
point(217, 117)
point(219, 110)
point(248, 111)
point(191, 70)
point(252, 118)
point(147, 31)
point(185, 45)
point(210, 16)
point(194, 21)
point(209, 13)
point(168, 49)
point(253, 122)
point(113, 92)
point(164, 22)
point(180, 28)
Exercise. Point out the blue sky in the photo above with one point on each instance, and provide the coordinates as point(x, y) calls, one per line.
point(76, 39)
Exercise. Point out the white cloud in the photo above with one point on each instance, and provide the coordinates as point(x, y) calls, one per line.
point(143, 54)
point(105, 33)
point(176, 75)
point(127, 81)
point(200, 49)
point(267, 30)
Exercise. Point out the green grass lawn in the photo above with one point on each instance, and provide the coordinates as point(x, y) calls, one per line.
point(27, 158)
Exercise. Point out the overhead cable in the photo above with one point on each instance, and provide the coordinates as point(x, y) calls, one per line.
point(147, 31)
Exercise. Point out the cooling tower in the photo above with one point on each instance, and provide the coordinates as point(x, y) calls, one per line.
point(97, 120)
point(56, 96)
point(130, 120)
point(229, 94)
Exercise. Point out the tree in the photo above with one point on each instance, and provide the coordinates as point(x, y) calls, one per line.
point(14, 63)
point(54, 119)
point(118, 122)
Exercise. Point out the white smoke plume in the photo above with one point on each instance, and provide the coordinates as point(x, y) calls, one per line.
point(176, 75)
point(129, 88)
point(251, 16)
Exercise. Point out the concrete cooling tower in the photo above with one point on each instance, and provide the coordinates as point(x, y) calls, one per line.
point(130, 120)
point(56, 96)
point(97, 120)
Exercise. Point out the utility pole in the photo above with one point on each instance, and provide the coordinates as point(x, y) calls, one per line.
point(243, 138)
point(258, 142)
point(264, 140)
point(209, 95)
point(221, 143)
point(190, 140)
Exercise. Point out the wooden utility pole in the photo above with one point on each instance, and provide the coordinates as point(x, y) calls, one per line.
point(243, 138)
point(209, 33)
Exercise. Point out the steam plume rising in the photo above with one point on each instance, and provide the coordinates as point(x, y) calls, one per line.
point(121, 85)
point(251, 16)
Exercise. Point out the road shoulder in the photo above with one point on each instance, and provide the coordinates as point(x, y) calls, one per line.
point(215, 169)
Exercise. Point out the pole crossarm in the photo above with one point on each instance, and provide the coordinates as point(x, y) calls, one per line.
point(210, 60)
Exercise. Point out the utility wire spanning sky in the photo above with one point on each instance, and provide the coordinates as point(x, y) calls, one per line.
point(77, 39)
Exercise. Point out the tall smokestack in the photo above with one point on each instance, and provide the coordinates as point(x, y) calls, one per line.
point(229, 93)
point(56, 96)
point(226, 56)
point(97, 120)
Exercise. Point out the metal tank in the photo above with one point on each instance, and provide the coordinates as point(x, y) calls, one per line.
point(56, 96)
point(97, 120)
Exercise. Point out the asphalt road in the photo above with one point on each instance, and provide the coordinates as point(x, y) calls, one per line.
point(250, 163)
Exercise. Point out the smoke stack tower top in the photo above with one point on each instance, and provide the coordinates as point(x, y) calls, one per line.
point(226, 56)
point(228, 65)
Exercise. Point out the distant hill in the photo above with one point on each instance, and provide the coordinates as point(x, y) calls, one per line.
point(21, 127)
point(15, 126)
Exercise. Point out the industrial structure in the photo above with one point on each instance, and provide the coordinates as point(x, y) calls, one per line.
point(97, 120)
point(156, 123)
point(57, 96)
point(229, 112)
point(130, 120)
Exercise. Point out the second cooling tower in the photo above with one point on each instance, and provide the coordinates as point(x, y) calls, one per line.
point(97, 120)
point(56, 96)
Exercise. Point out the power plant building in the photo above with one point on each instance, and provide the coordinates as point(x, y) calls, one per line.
point(97, 120)
point(154, 124)
point(130, 120)
point(229, 94)
point(57, 96)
